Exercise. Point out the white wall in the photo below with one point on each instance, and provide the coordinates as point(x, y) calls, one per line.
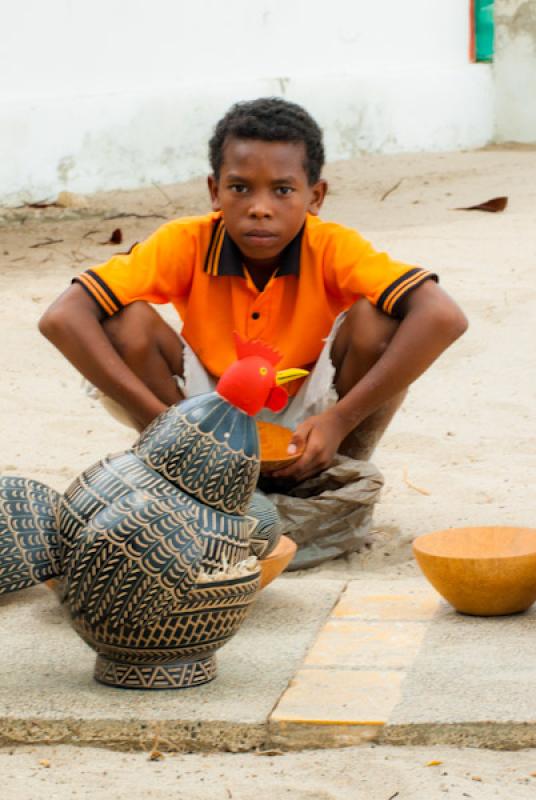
point(515, 70)
point(104, 94)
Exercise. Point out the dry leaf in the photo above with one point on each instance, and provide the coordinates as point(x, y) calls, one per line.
point(476, 778)
point(40, 204)
point(493, 205)
point(433, 763)
point(156, 755)
point(116, 237)
point(63, 200)
point(391, 190)
point(44, 763)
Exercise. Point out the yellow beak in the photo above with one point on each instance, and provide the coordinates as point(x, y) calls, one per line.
point(287, 375)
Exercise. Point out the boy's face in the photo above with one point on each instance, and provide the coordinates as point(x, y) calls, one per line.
point(264, 194)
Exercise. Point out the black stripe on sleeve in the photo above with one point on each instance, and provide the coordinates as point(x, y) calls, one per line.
point(392, 286)
point(104, 286)
point(95, 299)
point(397, 305)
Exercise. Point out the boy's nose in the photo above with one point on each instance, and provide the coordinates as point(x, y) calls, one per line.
point(260, 208)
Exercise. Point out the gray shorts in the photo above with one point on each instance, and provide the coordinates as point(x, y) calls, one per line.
point(316, 394)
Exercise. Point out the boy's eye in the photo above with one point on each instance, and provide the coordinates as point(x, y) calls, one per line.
point(284, 190)
point(239, 188)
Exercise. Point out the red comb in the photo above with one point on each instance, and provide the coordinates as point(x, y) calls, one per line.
point(256, 348)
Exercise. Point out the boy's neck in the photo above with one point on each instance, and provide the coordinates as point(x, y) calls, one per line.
point(260, 272)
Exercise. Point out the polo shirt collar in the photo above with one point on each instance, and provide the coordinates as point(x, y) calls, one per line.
point(224, 257)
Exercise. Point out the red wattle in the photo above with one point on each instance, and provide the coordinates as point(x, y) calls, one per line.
point(277, 399)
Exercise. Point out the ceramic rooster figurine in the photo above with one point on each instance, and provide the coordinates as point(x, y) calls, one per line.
point(141, 543)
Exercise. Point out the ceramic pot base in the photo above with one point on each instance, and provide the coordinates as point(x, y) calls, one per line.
point(176, 675)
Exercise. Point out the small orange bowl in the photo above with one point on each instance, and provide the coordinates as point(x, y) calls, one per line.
point(274, 564)
point(482, 571)
point(274, 441)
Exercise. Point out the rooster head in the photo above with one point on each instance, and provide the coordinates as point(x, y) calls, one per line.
point(252, 383)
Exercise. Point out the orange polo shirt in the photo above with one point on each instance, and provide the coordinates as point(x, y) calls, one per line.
point(194, 264)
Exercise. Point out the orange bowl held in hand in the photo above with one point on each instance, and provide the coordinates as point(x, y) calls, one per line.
point(274, 441)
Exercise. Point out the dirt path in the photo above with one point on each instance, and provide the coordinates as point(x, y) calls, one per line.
point(381, 773)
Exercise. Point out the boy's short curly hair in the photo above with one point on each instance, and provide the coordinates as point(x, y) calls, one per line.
point(270, 119)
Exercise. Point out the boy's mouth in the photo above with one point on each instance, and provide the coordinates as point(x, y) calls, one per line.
point(260, 233)
point(260, 236)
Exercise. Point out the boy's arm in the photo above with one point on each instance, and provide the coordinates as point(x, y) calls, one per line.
point(431, 322)
point(73, 325)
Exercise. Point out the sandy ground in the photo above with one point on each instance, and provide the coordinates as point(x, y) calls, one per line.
point(366, 773)
point(462, 451)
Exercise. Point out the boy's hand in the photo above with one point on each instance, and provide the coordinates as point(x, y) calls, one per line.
point(319, 437)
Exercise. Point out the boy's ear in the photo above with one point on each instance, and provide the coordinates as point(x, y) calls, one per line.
point(214, 193)
point(318, 193)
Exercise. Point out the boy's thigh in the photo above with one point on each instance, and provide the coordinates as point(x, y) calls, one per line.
point(138, 329)
point(359, 335)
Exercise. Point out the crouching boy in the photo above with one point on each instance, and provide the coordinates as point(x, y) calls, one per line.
point(264, 264)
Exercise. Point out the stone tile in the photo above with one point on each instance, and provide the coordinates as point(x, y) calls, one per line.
point(327, 696)
point(416, 601)
point(372, 645)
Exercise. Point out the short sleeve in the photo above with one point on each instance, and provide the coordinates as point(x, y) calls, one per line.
point(156, 270)
point(353, 268)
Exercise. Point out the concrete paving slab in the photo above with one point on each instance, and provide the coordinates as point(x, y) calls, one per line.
point(473, 682)
point(47, 692)
point(314, 666)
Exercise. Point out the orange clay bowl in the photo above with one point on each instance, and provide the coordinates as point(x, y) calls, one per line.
point(274, 564)
point(274, 440)
point(481, 571)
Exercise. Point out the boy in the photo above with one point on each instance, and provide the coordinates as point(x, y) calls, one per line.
point(261, 263)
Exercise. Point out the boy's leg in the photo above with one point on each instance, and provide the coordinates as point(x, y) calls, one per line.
point(360, 341)
point(150, 347)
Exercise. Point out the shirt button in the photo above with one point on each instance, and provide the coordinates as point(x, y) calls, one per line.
point(255, 315)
